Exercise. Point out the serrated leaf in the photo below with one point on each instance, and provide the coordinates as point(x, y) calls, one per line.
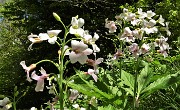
point(144, 78)
point(162, 83)
point(127, 79)
point(84, 89)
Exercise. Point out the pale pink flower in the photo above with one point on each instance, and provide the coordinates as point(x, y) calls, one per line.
point(162, 43)
point(79, 52)
point(110, 25)
point(134, 49)
point(94, 63)
point(138, 33)
point(73, 95)
point(163, 52)
point(144, 48)
point(92, 73)
point(127, 36)
point(39, 79)
point(27, 69)
point(118, 54)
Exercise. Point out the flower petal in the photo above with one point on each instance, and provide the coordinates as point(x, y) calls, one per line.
point(52, 40)
point(82, 59)
point(40, 85)
point(73, 57)
point(35, 76)
point(53, 32)
point(88, 51)
point(98, 61)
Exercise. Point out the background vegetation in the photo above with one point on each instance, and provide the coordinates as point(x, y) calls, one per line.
point(19, 18)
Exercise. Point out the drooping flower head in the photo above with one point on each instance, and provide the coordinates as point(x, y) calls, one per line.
point(39, 79)
point(34, 39)
point(27, 69)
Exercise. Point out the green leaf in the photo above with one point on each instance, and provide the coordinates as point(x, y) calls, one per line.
point(161, 83)
point(127, 79)
point(83, 88)
point(144, 78)
point(109, 107)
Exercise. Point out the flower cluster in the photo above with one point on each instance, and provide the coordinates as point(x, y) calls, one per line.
point(78, 52)
point(140, 27)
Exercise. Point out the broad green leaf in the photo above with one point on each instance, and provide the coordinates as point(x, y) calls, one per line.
point(161, 83)
point(94, 88)
point(144, 78)
point(127, 79)
point(84, 89)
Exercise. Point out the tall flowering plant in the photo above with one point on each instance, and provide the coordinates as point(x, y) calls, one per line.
point(78, 51)
point(140, 37)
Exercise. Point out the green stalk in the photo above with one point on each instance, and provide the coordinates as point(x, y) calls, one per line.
point(14, 102)
point(61, 70)
point(135, 83)
point(60, 85)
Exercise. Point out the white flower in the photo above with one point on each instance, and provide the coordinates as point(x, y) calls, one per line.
point(110, 25)
point(5, 103)
point(33, 108)
point(167, 29)
point(51, 36)
point(142, 14)
point(161, 20)
point(76, 27)
point(88, 39)
point(150, 14)
point(127, 35)
point(51, 89)
point(79, 52)
point(138, 33)
point(149, 27)
point(75, 106)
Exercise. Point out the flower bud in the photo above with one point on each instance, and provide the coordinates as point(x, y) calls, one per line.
point(32, 66)
point(56, 16)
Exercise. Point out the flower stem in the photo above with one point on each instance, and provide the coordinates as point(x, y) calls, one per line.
point(135, 83)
